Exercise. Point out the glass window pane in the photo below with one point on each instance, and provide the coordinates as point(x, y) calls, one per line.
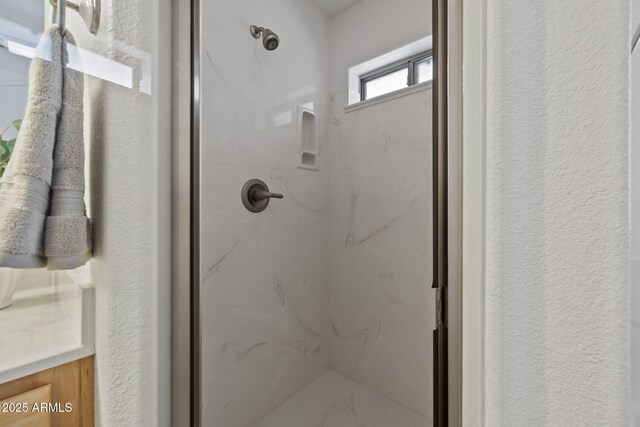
point(423, 70)
point(387, 83)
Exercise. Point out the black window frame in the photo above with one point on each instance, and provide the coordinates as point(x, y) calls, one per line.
point(409, 63)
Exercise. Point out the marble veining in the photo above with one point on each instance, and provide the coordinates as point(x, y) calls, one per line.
point(239, 238)
point(295, 190)
point(381, 304)
point(394, 300)
point(308, 345)
point(333, 400)
point(336, 274)
point(265, 309)
point(343, 405)
point(352, 239)
point(389, 142)
point(368, 335)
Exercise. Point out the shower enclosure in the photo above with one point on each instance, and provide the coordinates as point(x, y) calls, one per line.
point(311, 214)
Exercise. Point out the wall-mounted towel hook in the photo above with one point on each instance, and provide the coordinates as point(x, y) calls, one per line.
point(89, 11)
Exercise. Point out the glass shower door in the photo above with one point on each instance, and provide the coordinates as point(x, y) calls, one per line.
point(316, 308)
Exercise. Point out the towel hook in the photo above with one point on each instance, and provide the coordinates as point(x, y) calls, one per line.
point(89, 11)
point(62, 16)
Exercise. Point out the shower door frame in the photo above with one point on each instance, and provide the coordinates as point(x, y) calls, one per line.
point(185, 330)
point(447, 173)
point(186, 346)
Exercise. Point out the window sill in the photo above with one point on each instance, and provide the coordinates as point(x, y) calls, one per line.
point(389, 96)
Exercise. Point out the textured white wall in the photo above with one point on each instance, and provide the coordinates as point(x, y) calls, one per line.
point(557, 287)
point(635, 223)
point(130, 206)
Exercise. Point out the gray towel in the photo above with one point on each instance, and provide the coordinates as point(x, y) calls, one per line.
point(67, 237)
point(49, 148)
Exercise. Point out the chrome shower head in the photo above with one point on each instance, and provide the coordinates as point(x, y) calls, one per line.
point(270, 40)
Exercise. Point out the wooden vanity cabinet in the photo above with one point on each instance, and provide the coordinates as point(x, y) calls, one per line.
point(58, 397)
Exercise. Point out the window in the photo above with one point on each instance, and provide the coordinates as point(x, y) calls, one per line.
point(408, 72)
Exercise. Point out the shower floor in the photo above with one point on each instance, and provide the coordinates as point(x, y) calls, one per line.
point(333, 400)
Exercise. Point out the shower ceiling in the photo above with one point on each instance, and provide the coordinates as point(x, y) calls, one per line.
point(333, 8)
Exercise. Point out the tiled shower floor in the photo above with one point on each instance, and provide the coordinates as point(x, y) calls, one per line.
point(333, 400)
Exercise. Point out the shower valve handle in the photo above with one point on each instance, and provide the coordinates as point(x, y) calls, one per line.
point(259, 195)
point(256, 195)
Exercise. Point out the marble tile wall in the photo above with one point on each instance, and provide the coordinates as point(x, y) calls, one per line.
point(264, 295)
point(381, 302)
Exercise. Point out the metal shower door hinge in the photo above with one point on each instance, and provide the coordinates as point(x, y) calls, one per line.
point(441, 304)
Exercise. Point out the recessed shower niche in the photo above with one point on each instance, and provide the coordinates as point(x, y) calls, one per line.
point(308, 136)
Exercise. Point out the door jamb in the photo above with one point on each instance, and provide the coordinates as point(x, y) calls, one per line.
point(455, 211)
point(473, 77)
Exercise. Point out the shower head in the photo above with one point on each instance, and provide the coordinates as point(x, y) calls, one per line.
point(270, 40)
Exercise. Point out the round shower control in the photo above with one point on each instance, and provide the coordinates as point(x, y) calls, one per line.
point(256, 195)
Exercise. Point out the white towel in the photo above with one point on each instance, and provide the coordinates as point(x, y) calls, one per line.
point(51, 128)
